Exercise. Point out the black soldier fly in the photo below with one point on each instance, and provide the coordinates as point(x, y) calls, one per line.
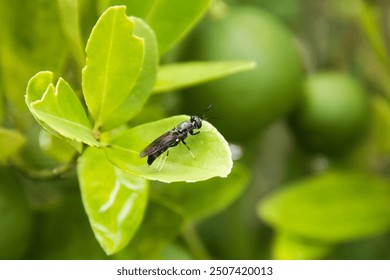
point(171, 139)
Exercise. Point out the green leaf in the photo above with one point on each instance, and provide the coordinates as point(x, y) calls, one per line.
point(180, 75)
point(333, 207)
point(37, 85)
point(159, 227)
point(114, 60)
point(58, 108)
point(287, 247)
point(170, 19)
point(146, 79)
point(69, 19)
point(114, 201)
point(202, 199)
point(10, 143)
point(213, 157)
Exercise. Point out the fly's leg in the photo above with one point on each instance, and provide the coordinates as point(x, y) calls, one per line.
point(159, 167)
point(159, 163)
point(185, 144)
point(206, 130)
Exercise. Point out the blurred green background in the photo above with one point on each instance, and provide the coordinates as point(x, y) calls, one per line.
point(309, 128)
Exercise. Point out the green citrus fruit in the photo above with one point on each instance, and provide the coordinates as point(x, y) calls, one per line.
point(333, 113)
point(244, 103)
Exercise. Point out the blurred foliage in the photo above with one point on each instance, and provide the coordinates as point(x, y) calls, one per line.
point(16, 217)
point(311, 124)
point(234, 34)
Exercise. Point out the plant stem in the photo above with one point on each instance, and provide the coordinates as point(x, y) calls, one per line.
point(194, 243)
point(55, 173)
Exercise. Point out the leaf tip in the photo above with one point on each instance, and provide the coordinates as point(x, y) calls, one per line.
point(37, 85)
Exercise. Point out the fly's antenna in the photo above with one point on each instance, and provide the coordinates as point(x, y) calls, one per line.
point(204, 117)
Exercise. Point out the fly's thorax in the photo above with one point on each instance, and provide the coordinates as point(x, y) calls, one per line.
point(185, 126)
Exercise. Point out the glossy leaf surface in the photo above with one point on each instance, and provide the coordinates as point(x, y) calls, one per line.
point(114, 201)
point(211, 151)
point(114, 61)
point(146, 79)
point(58, 109)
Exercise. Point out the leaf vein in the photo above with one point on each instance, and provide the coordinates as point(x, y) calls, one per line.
point(106, 70)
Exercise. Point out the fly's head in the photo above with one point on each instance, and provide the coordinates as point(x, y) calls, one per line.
point(196, 122)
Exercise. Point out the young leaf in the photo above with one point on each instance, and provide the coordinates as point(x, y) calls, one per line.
point(202, 199)
point(36, 87)
point(180, 75)
point(333, 207)
point(114, 61)
point(114, 201)
point(211, 151)
point(10, 142)
point(170, 19)
point(146, 79)
point(58, 109)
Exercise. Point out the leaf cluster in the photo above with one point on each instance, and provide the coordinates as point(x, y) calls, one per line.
point(121, 71)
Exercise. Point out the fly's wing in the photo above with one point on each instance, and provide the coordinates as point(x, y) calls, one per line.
point(160, 145)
